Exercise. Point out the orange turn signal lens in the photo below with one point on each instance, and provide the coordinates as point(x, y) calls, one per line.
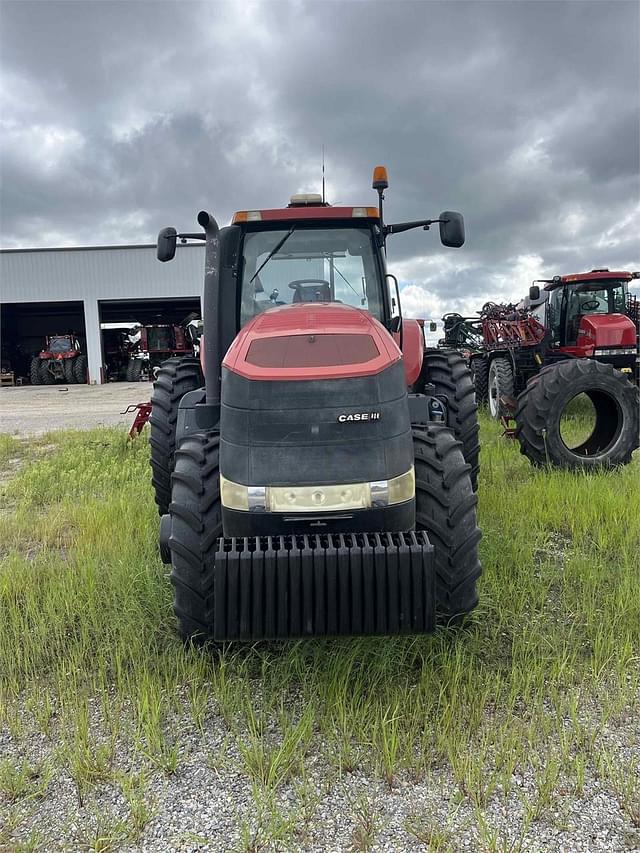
point(380, 178)
point(246, 216)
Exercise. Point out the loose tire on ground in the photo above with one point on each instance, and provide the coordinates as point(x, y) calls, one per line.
point(134, 370)
point(80, 369)
point(176, 377)
point(34, 371)
point(500, 387)
point(448, 371)
point(196, 524)
point(540, 407)
point(479, 367)
point(68, 365)
point(446, 509)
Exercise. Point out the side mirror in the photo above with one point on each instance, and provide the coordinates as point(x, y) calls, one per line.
point(451, 229)
point(534, 293)
point(167, 240)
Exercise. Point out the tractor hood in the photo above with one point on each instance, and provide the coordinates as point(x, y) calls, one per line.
point(606, 330)
point(319, 340)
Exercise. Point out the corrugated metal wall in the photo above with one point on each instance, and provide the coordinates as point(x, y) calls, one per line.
point(106, 273)
point(92, 275)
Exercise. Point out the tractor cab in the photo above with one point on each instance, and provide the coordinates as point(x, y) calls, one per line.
point(587, 314)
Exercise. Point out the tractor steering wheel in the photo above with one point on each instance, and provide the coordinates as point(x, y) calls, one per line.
point(590, 305)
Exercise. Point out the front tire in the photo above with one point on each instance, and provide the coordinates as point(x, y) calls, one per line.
point(448, 371)
point(68, 366)
point(196, 525)
point(45, 376)
point(80, 369)
point(34, 371)
point(176, 377)
point(479, 367)
point(500, 387)
point(446, 509)
point(134, 370)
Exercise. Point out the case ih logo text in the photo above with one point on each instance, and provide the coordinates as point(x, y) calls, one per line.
point(359, 416)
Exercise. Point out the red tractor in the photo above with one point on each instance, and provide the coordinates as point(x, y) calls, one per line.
point(322, 479)
point(579, 334)
point(59, 361)
point(157, 344)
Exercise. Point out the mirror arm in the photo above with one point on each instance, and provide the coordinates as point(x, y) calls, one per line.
point(200, 236)
point(407, 226)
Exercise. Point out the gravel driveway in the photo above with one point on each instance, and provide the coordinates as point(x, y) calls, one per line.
point(36, 410)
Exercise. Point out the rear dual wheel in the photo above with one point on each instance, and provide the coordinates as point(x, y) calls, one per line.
point(448, 371)
point(176, 377)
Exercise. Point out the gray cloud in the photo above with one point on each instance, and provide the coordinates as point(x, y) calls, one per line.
point(119, 118)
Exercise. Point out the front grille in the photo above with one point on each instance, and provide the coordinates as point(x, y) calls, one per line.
point(328, 584)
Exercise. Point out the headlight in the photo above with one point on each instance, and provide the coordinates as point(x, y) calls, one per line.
point(615, 351)
point(318, 498)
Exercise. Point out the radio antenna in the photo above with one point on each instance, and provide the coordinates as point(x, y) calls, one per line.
point(323, 174)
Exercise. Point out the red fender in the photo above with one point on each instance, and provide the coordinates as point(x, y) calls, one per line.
point(412, 350)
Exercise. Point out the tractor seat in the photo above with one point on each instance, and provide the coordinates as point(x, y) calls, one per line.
point(311, 292)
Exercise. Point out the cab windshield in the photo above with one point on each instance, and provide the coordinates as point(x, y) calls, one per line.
point(310, 265)
point(594, 297)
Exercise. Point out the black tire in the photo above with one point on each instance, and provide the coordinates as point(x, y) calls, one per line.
point(449, 372)
point(500, 387)
point(446, 509)
point(176, 377)
point(68, 365)
point(479, 367)
point(45, 377)
point(34, 371)
point(134, 370)
point(80, 369)
point(196, 524)
point(616, 403)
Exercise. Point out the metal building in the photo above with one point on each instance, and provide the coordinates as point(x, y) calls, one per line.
point(54, 291)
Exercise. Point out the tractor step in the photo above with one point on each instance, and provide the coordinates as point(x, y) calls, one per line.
point(280, 587)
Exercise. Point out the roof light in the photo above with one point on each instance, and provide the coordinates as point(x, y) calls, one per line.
point(247, 216)
point(380, 178)
point(300, 199)
point(365, 211)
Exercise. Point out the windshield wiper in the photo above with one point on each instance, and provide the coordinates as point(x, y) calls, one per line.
point(348, 283)
point(276, 248)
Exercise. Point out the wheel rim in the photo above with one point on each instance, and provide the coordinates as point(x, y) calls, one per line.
point(494, 393)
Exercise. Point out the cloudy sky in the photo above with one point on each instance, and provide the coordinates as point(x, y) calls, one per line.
point(119, 118)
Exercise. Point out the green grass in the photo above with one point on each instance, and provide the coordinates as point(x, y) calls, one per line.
point(88, 647)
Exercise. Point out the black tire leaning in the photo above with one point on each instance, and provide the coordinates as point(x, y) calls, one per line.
point(34, 371)
point(449, 372)
point(176, 377)
point(134, 370)
point(499, 387)
point(541, 404)
point(479, 366)
point(80, 369)
point(45, 377)
point(196, 524)
point(68, 366)
point(446, 509)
